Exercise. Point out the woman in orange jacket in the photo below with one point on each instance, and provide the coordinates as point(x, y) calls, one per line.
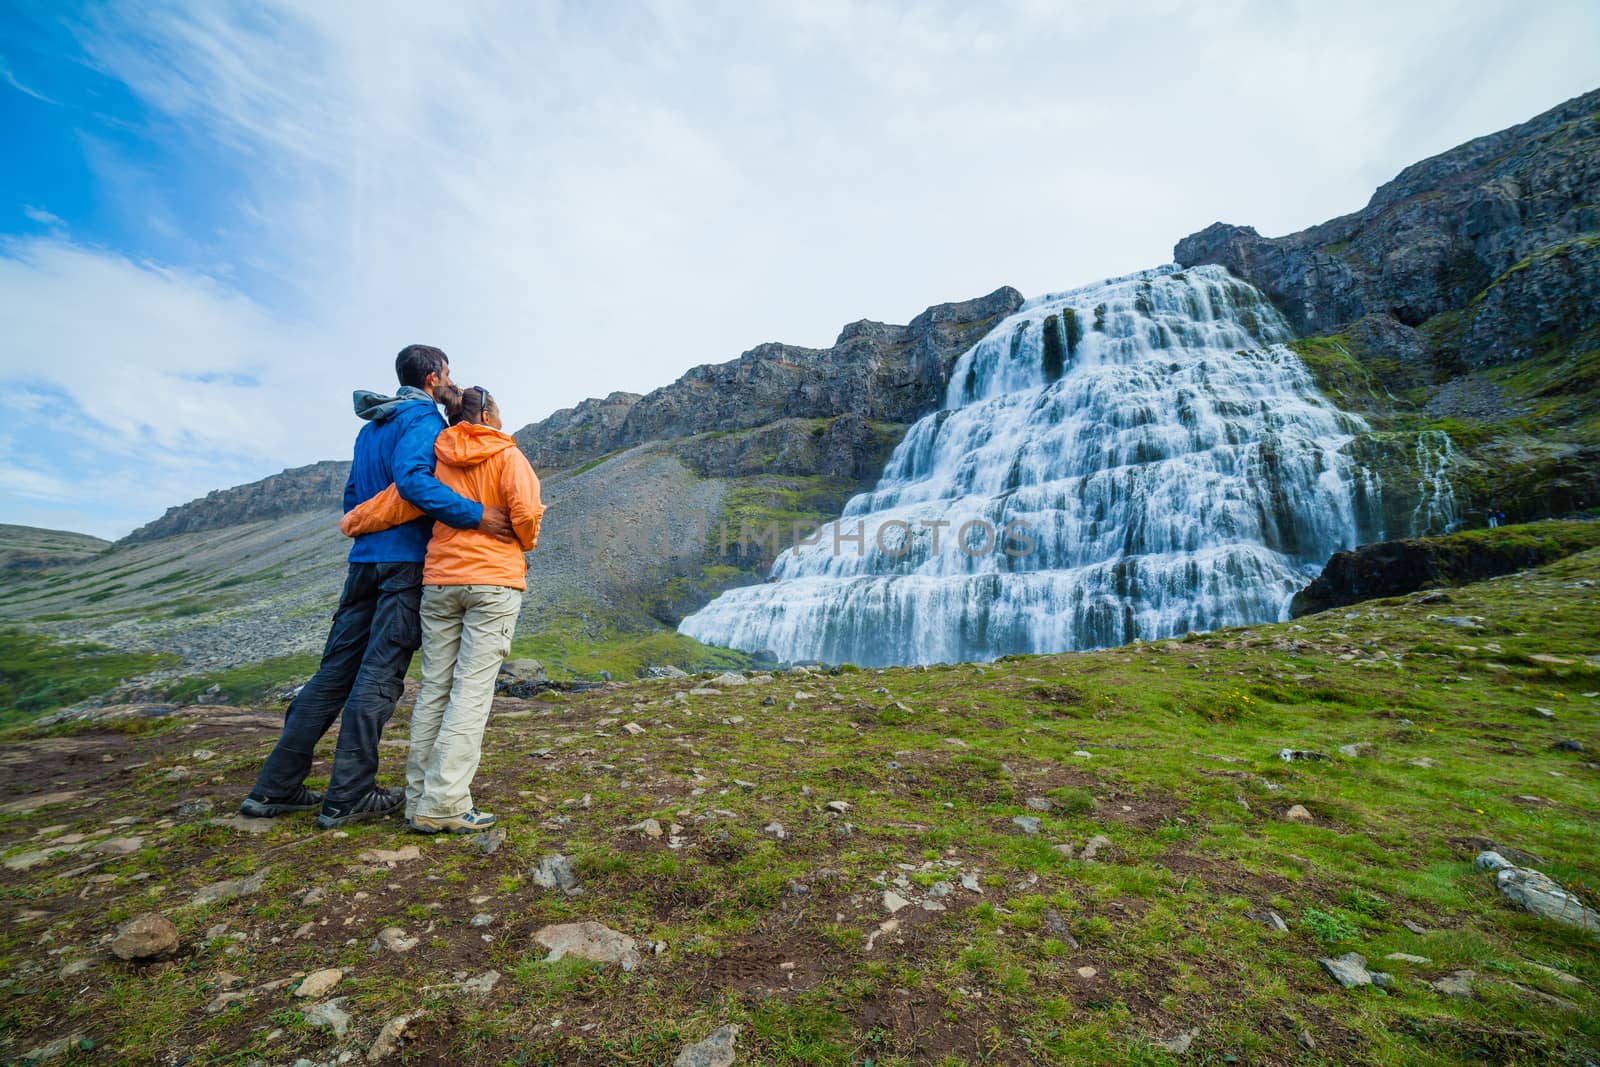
point(472, 586)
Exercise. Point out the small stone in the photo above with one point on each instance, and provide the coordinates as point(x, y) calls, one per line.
point(1491, 861)
point(198, 806)
point(893, 901)
point(557, 872)
point(1414, 927)
point(969, 882)
point(386, 856)
point(1270, 919)
point(776, 830)
point(1298, 813)
point(633, 728)
point(482, 985)
point(489, 842)
point(1179, 1043)
point(243, 823)
point(145, 937)
point(176, 774)
point(727, 680)
point(1406, 957)
point(119, 846)
point(1534, 891)
point(590, 941)
point(1056, 926)
point(54, 1050)
point(1087, 972)
point(1092, 847)
point(482, 919)
point(202, 754)
point(1029, 824)
point(330, 1014)
point(1568, 745)
point(395, 940)
point(317, 983)
point(1358, 750)
point(218, 892)
point(1349, 970)
point(1307, 1042)
point(1456, 984)
point(838, 806)
point(1293, 755)
point(715, 1051)
point(1544, 713)
point(389, 1038)
point(1038, 803)
point(313, 896)
point(1382, 979)
point(1422, 761)
point(75, 968)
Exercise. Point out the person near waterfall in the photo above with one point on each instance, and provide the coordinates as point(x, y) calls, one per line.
point(375, 627)
point(472, 595)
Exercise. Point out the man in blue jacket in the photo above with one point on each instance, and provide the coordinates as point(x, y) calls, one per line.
point(376, 627)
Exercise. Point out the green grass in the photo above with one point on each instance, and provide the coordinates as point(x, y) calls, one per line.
point(38, 674)
point(572, 648)
point(252, 682)
point(1182, 777)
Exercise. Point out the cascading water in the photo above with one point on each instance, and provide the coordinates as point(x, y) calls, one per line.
point(1436, 498)
point(1129, 460)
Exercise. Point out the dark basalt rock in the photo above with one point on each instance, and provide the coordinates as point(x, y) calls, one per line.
point(1394, 568)
point(1512, 216)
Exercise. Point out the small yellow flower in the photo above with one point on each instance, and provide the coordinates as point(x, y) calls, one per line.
point(1480, 811)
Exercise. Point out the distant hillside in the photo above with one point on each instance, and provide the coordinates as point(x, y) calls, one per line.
point(27, 548)
point(297, 490)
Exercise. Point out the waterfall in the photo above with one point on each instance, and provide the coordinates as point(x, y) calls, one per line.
point(1435, 512)
point(1133, 459)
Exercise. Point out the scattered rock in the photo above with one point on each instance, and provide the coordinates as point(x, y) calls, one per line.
point(1349, 970)
point(590, 941)
point(1038, 803)
point(647, 827)
point(893, 901)
point(1298, 813)
point(1087, 972)
point(317, 983)
point(390, 857)
point(389, 1038)
point(776, 830)
point(218, 892)
point(1456, 984)
point(61, 1046)
point(727, 679)
point(1464, 622)
point(198, 806)
point(222, 1001)
point(1178, 1044)
point(1055, 925)
point(1414, 927)
point(557, 872)
point(1270, 919)
point(330, 1014)
point(1092, 847)
point(1359, 750)
point(145, 937)
point(838, 806)
point(715, 1051)
point(395, 940)
point(482, 985)
point(1567, 744)
point(1291, 755)
point(489, 842)
point(482, 919)
point(1536, 892)
point(1029, 824)
point(243, 823)
point(1406, 957)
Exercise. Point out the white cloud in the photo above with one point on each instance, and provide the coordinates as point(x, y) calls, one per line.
point(576, 199)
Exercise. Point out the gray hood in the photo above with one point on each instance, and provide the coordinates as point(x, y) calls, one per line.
point(375, 407)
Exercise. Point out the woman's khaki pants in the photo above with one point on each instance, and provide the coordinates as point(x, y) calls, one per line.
point(466, 635)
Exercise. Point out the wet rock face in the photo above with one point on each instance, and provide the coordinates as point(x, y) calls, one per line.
point(1491, 213)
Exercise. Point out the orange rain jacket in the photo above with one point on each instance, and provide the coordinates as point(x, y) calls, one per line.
point(486, 465)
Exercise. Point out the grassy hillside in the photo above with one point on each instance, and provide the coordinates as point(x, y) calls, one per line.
point(1010, 950)
point(28, 548)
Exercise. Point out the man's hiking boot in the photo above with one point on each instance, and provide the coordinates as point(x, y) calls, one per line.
point(375, 805)
point(471, 821)
point(257, 808)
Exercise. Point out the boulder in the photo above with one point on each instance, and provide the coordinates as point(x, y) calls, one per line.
point(589, 941)
point(145, 937)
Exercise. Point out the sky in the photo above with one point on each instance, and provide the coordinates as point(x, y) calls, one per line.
point(217, 219)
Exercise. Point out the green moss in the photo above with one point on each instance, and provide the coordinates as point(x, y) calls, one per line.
point(574, 648)
point(38, 674)
point(253, 682)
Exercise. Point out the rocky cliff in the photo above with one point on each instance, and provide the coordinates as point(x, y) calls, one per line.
point(1460, 311)
point(291, 492)
point(874, 371)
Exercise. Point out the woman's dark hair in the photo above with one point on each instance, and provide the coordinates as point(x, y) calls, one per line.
point(415, 362)
point(475, 400)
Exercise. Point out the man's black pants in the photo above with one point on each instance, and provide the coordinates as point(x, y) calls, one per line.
point(375, 631)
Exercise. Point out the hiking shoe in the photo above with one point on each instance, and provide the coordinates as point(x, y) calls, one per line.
point(377, 804)
point(471, 821)
point(258, 808)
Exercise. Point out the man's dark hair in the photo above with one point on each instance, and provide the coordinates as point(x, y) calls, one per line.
point(415, 362)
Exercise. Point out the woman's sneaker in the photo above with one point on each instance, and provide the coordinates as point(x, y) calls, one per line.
point(375, 805)
point(258, 808)
point(471, 821)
